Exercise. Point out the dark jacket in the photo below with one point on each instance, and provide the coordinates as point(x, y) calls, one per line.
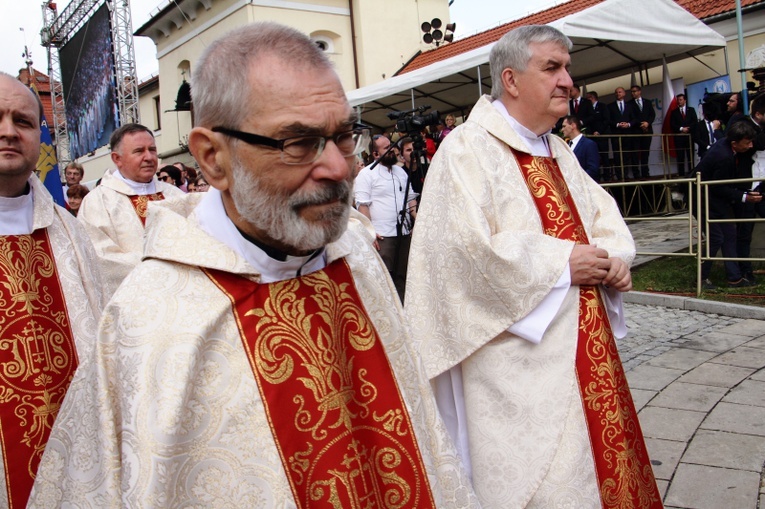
point(647, 114)
point(617, 117)
point(701, 137)
point(722, 163)
point(586, 151)
point(584, 113)
point(677, 121)
point(600, 119)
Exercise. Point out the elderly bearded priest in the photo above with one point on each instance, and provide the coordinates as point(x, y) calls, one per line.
point(507, 288)
point(258, 356)
point(114, 213)
point(49, 293)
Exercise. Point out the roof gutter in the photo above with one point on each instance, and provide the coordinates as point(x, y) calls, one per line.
point(732, 14)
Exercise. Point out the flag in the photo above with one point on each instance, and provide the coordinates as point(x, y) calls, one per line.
point(47, 165)
point(669, 104)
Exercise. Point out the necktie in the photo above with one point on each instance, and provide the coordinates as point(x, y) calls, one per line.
point(570, 143)
point(576, 105)
point(682, 112)
point(711, 132)
point(621, 107)
point(640, 104)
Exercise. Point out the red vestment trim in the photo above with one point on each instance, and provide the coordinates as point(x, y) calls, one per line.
point(37, 356)
point(141, 204)
point(335, 410)
point(624, 472)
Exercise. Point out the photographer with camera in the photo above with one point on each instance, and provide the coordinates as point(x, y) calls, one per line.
point(379, 192)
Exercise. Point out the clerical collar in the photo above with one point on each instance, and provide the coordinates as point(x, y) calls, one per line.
point(276, 254)
point(17, 214)
point(270, 263)
point(139, 188)
point(535, 145)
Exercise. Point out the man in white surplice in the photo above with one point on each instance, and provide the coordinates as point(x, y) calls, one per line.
point(115, 211)
point(179, 412)
point(493, 301)
point(50, 295)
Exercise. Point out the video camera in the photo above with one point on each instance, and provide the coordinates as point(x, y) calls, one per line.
point(411, 123)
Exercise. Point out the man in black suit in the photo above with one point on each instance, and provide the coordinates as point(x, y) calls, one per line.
point(645, 117)
point(707, 130)
point(682, 121)
point(578, 106)
point(599, 130)
point(585, 150)
point(622, 121)
point(725, 160)
point(748, 210)
point(581, 108)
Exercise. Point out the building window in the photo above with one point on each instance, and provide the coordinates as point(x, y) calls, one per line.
point(157, 113)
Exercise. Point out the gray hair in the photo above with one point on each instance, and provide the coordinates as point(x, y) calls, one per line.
point(512, 51)
point(220, 84)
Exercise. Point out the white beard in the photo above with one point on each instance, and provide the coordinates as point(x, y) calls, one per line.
point(277, 214)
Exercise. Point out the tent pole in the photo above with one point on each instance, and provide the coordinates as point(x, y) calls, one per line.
point(480, 82)
point(741, 59)
point(413, 106)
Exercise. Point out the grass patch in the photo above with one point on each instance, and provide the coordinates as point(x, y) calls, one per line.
point(677, 276)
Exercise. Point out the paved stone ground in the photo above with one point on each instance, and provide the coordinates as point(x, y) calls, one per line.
point(654, 330)
point(698, 381)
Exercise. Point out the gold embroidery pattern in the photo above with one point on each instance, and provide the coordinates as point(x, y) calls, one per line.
point(37, 354)
point(361, 479)
point(607, 394)
point(24, 264)
point(285, 338)
point(141, 204)
point(558, 220)
point(335, 410)
point(624, 473)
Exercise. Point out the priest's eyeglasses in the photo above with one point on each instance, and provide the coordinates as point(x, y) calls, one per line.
point(306, 149)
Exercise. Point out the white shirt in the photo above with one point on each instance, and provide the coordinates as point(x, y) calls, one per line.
point(575, 140)
point(537, 145)
point(214, 221)
point(17, 214)
point(139, 188)
point(382, 190)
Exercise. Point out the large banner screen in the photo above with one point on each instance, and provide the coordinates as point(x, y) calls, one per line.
point(87, 72)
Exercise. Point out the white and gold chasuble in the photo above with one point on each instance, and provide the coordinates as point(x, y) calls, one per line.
point(480, 262)
point(176, 417)
point(115, 226)
point(51, 300)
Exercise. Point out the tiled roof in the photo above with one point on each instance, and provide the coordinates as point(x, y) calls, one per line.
point(706, 8)
point(42, 83)
point(699, 8)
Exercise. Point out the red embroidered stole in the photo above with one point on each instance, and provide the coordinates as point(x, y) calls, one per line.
point(37, 356)
point(335, 410)
point(625, 476)
point(141, 204)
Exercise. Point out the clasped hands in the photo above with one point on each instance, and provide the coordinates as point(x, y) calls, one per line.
point(591, 265)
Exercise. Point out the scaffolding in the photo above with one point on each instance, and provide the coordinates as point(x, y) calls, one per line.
point(56, 32)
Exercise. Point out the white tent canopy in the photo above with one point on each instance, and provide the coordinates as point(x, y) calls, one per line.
point(609, 38)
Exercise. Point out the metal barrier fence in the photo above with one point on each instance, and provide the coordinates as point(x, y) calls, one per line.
point(661, 195)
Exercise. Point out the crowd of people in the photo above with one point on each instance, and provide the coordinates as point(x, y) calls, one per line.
point(248, 346)
point(738, 153)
